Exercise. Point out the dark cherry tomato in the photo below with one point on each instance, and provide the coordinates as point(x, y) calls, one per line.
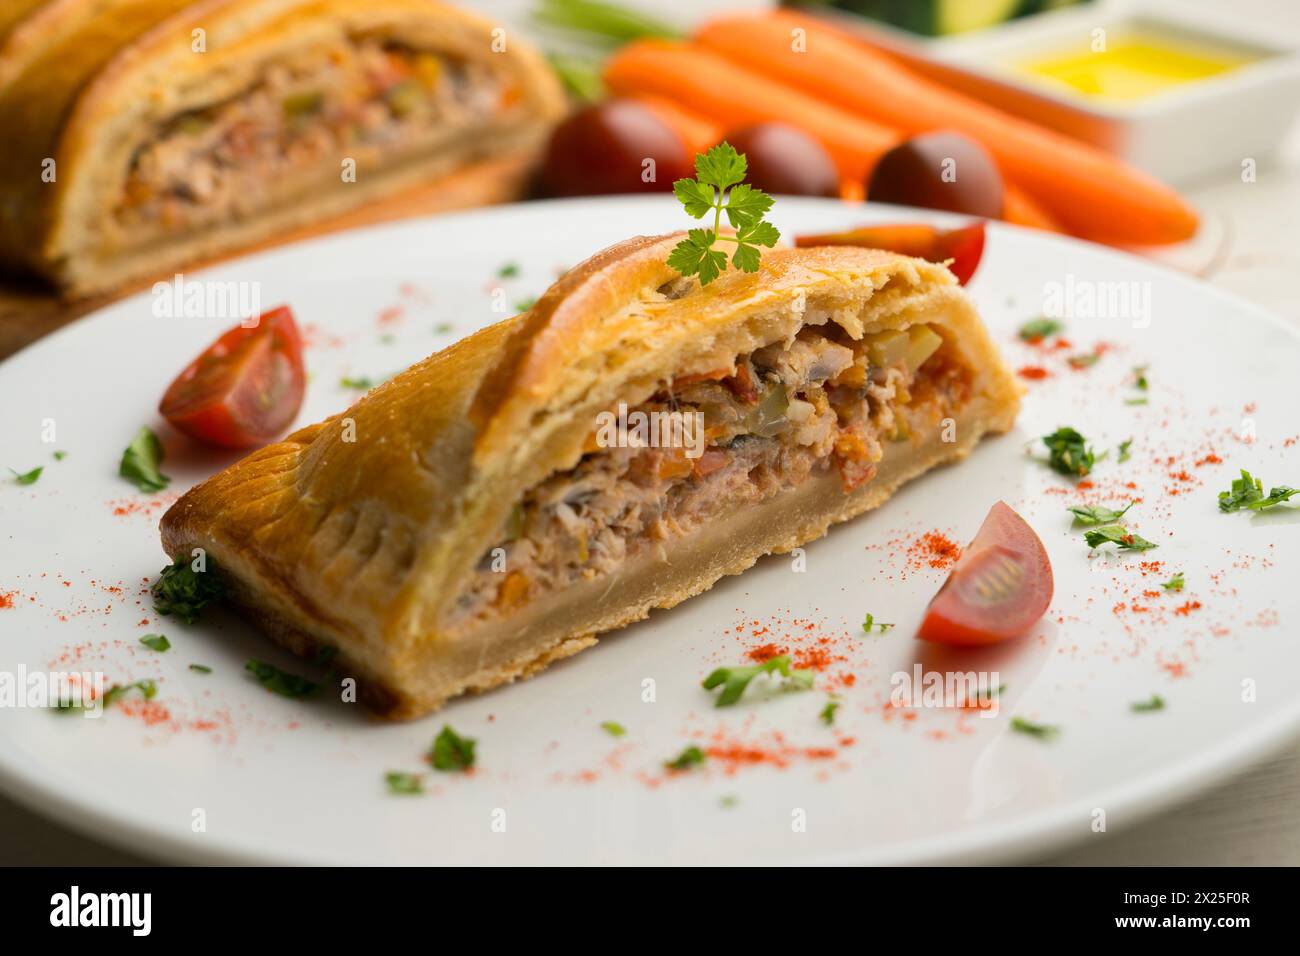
point(961, 248)
point(783, 159)
point(246, 387)
point(939, 171)
point(604, 148)
point(999, 589)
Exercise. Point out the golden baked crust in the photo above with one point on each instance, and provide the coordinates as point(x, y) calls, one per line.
point(85, 84)
point(363, 544)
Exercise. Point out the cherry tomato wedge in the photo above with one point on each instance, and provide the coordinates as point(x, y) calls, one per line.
point(246, 387)
point(964, 246)
point(1000, 587)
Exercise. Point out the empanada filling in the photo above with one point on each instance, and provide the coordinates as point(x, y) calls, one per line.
point(294, 124)
point(775, 419)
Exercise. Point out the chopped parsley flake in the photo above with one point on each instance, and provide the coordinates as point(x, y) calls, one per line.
point(1041, 731)
point(526, 303)
point(988, 693)
point(201, 668)
point(360, 383)
point(1097, 514)
point(508, 271)
point(1084, 360)
point(870, 621)
point(147, 689)
point(1124, 447)
point(1117, 535)
point(692, 756)
point(60, 455)
point(734, 680)
point(279, 681)
point(613, 728)
point(1175, 583)
point(141, 461)
point(1147, 706)
point(1038, 329)
point(451, 752)
point(1069, 452)
point(28, 477)
point(1248, 492)
point(406, 784)
point(827, 715)
point(156, 642)
point(182, 591)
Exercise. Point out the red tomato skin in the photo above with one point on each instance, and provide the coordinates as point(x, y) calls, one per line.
point(948, 620)
point(965, 246)
point(215, 417)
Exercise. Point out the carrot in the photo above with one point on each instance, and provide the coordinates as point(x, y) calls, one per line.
point(1022, 210)
point(731, 96)
point(1092, 194)
point(698, 133)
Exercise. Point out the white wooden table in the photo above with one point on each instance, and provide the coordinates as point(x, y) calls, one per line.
point(1249, 246)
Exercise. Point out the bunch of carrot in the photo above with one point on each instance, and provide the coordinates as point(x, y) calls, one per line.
point(859, 103)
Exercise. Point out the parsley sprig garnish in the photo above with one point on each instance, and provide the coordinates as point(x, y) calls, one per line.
point(1248, 492)
point(719, 187)
point(734, 680)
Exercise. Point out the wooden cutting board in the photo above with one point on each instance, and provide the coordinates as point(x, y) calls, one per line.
point(29, 311)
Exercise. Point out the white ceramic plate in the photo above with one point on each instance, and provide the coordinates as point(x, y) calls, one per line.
point(217, 769)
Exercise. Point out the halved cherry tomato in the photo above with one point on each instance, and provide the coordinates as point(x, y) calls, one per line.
point(964, 246)
point(246, 387)
point(1000, 587)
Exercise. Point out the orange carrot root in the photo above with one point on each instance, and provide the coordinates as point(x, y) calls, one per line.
point(731, 95)
point(1088, 191)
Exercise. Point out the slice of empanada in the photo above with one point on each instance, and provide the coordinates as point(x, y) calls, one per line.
point(495, 506)
point(144, 134)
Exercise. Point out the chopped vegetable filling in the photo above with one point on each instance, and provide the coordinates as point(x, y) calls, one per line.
point(782, 415)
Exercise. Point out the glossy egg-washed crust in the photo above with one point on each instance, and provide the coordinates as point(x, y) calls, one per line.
point(358, 532)
point(85, 82)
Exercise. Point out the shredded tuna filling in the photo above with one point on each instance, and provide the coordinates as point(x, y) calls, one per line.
point(293, 126)
point(779, 417)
